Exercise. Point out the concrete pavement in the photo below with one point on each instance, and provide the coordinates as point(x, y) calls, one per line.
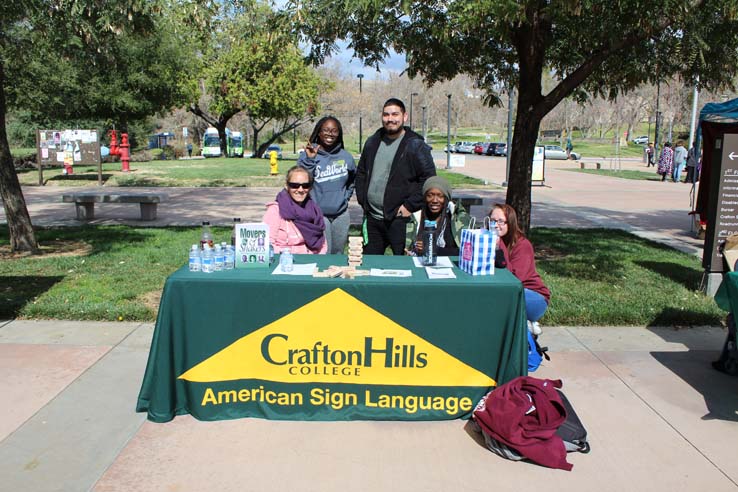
point(659, 417)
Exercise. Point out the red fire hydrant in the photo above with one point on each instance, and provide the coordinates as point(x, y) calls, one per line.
point(113, 143)
point(123, 150)
point(125, 153)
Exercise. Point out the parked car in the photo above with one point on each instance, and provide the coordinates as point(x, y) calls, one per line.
point(556, 152)
point(480, 148)
point(276, 148)
point(497, 148)
point(449, 148)
point(642, 140)
point(464, 147)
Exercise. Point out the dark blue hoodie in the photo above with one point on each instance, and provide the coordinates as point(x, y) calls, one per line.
point(334, 172)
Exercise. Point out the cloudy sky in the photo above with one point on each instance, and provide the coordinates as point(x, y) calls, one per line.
point(353, 66)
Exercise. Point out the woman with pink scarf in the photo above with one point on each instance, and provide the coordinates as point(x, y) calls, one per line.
point(294, 220)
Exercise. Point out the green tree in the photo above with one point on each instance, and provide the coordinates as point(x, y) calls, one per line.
point(593, 47)
point(72, 60)
point(250, 66)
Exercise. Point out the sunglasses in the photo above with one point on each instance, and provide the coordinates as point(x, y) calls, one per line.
point(294, 186)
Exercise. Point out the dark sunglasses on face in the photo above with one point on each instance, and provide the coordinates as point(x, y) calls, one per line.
point(294, 186)
point(332, 132)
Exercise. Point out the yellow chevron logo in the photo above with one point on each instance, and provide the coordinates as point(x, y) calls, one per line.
point(336, 339)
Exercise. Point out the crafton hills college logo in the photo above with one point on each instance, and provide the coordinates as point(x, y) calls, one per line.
point(336, 339)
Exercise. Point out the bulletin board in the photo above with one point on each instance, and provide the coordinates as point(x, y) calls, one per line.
point(79, 147)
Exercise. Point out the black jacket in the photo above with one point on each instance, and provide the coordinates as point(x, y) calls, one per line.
point(412, 165)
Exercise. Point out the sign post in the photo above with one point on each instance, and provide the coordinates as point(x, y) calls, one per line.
point(723, 206)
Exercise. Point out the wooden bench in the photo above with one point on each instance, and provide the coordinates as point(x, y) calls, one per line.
point(85, 202)
point(467, 201)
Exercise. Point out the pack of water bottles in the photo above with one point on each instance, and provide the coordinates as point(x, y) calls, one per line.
point(208, 260)
point(208, 257)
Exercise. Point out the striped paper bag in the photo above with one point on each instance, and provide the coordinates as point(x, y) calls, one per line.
point(477, 251)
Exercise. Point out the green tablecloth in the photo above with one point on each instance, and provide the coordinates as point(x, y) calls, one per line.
point(726, 296)
point(242, 343)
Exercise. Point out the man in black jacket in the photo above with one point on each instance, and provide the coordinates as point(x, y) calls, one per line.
point(394, 165)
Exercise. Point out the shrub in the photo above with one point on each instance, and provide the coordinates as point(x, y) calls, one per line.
point(142, 156)
point(168, 152)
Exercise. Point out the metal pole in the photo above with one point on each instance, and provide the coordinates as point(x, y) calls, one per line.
point(693, 122)
point(425, 128)
point(411, 108)
point(509, 136)
point(658, 120)
point(294, 140)
point(448, 134)
point(360, 76)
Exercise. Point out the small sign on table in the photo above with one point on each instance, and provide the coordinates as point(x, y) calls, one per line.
point(252, 245)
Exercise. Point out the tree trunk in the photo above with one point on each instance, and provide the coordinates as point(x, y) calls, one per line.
point(221, 127)
point(22, 237)
point(525, 134)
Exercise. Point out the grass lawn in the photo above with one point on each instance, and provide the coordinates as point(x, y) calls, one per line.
point(625, 173)
point(597, 276)
point(191, 173)
point(22, 151)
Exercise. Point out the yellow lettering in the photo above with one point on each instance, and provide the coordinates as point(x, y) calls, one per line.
point(243, 395)
point(226, 396)
point(316, 396)
point(368, 399)
point(209, 397)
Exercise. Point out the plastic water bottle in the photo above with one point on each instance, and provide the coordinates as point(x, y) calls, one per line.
point(271, 253)
point(218, 258)
point(429, 243)
point(285, 260)
point(236, 221)
point(230, 257)
point(195, 263)
point(206, 237)
point(207, 260)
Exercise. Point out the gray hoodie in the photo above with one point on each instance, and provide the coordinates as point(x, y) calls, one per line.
point(334, 174)
point(680, 155)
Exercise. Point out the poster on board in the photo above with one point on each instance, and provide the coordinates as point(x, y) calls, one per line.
point(537, 177)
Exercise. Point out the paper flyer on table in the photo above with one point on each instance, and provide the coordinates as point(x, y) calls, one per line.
point(379, 272)
point(441, 261)
point(435, 272)
point(301, 269)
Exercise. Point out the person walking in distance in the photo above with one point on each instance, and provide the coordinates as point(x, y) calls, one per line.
point(692, 160)
point(650, 151)
point(680, 160)
point(394, 164)
point(666, 161)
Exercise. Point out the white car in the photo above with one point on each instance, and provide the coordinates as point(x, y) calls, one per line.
point(556, 152)
point(465, 147)
point(642, 140)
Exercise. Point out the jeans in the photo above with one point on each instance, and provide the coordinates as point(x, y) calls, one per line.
point(535, 305)
point(336, 232)
point(383, 233)
point(677, 175)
